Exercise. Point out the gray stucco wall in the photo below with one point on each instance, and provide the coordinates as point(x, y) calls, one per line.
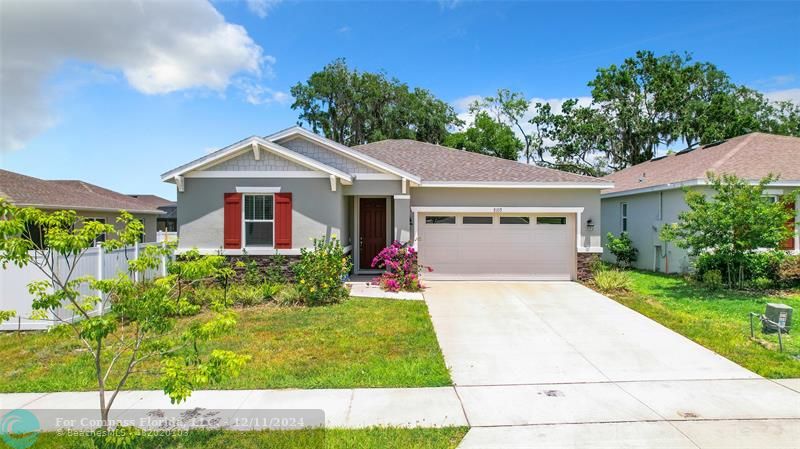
point(589, 199)
point(644, 226)
point(111, 218)
point(317, 211)
point(373, 187)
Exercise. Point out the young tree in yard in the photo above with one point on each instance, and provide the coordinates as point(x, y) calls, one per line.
point(735, 223)
point(353, 108)
point(132, 326)
point(487, 136)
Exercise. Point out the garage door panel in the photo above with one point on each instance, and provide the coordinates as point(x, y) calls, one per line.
point(498, 251)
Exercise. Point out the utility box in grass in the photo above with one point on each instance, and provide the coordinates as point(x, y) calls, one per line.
point(778, 313)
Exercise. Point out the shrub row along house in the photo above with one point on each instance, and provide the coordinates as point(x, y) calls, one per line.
point(470, 216)
point(649, 195)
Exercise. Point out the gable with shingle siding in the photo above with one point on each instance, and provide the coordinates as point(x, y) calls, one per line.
point(326, 156)
point(267, 162)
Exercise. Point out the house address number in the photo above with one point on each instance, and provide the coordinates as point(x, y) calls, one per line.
point(497, 210)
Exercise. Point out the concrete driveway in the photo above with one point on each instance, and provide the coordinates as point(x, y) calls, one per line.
point(501, 333)
point(557, 365)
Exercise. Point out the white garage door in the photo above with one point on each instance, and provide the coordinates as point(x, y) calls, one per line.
point(484, 246)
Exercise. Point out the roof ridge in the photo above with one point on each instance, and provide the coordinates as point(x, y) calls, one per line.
point(732, 152)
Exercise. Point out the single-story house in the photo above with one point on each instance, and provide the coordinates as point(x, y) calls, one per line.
point(650, 194)
point(469, 215)
point(88, 200)
point(168, 222)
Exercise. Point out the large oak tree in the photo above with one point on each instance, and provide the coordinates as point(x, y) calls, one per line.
point(354, 108)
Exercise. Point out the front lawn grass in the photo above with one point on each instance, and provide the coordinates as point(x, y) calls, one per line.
point(358, 343)
point(376, 437)
point(718, 320)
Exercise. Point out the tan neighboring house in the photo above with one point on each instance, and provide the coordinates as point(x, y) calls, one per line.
point(650, 194)
point(88, 200)
point(470, 216)
point(168, 222)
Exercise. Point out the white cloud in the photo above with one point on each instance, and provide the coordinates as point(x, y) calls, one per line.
point(449, 4)
point(261, 8)
point(343, 30)
point(158, 46)
point(255, 93)
point(783, 95)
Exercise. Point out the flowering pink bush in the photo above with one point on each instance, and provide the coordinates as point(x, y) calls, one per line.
point(399, 260)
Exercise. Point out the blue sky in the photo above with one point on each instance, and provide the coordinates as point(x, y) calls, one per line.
point(102, 126)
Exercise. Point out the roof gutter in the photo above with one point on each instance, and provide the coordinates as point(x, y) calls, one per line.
point(688, 183)
point(93, 209)
point(517, 185)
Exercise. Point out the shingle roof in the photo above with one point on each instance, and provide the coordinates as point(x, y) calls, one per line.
point(751, 156)
point(153, 201)
point(68, 194)
point(436, 163)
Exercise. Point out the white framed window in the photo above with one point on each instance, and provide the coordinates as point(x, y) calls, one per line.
point(480, 219)
point(515, 220)
point(259, 221)
point(440, 219)
point(623, 211)
point(551, 220)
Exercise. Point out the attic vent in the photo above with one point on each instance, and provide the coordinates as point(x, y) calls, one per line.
point(687, 150)
point(659, 157)
point(713, 144)
point(642, 178)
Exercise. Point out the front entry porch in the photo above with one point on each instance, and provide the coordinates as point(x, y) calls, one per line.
point(377, 221)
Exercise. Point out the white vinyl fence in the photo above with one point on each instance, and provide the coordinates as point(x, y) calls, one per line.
point(95, 262)
point(164, 236)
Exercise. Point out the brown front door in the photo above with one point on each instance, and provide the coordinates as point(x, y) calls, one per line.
point(372, 227)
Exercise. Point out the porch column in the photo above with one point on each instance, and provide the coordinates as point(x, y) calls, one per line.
point(402, 218)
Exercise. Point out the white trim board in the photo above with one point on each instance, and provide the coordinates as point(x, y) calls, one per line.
point(514, 185)
point(248, 145)
point(256, 174)
point(255, 189)
point(687, 183)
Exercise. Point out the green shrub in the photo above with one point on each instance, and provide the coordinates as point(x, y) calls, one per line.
point(611, 281)
point(622, 248)
point(275, 270)
point(789, 271)
point(321, 271)
point(755, 265)
point(712, 279)
point(245, 295)
point(206, 295)
point(252, 274)
point(270, 291)
point(289, 295)
point(761, 284)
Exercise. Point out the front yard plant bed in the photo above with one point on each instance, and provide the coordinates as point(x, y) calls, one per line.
point(377, 437)
point(718, 320)
point(358, 343)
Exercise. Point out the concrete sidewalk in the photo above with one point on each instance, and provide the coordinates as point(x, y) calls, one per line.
point(348, 408)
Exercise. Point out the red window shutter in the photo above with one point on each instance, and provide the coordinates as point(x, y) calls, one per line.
point(233, 221)
point(788, 244)
point(283, 220)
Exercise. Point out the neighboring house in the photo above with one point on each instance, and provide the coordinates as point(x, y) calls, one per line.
point(168, 222)
point(88, 200)
point(470, 216)
point(648, 195)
